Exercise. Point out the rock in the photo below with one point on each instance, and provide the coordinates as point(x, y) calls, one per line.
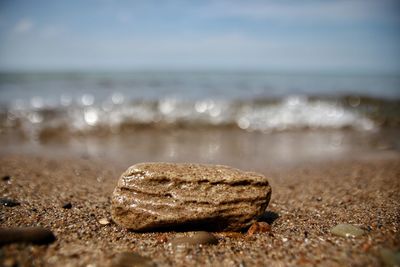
point(67, 205)
point(104, 221)
point(259, 227)
point(6, 178)
point(131, 259)
point(200, 238)
point(9, 202)
point(389, 257)
point(366, 245)
point(35, 235)
point(347, 230)
point(162, 238)
point(151, 196)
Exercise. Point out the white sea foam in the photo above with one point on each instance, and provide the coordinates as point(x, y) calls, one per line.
point(298, 112)
point(295, 112)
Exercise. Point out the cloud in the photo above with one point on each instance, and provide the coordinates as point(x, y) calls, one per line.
point(24, 25)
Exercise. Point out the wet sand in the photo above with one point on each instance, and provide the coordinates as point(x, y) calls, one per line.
point(307, 200)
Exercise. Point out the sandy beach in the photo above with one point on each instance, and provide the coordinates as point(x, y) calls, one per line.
point(307, 201)
point(199, 133)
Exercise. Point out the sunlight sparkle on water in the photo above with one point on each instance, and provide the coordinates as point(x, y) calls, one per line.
point(87, 100)
point(37, 102)
point(117, 98)
point(91, 116)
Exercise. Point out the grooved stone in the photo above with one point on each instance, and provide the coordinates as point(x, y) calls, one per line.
point(159, 196)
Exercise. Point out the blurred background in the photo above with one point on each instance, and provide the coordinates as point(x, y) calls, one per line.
point(254, 84)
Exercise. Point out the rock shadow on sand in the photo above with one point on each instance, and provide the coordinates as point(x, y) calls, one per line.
point(269, 217)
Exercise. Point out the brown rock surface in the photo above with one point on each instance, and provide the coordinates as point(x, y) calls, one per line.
point(188, 196)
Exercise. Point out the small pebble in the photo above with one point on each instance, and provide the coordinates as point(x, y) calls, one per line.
point(6, 178)
point(104, 221)
point(67, 205)
point(389, 257)
point(9, 202)
point(347, 230)
point(258, 227)
point(35, 235)
point(198, 238)
point(162, 238)
point(131, 259)
point(366, 246)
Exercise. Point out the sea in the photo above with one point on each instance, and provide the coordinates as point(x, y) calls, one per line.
point(290, 114)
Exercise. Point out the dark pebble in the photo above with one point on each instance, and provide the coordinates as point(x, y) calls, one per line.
point(199, 238)
point(35, 235)
point(131, 259)
point(6, 178)
point(67, 205)
point(9, 202)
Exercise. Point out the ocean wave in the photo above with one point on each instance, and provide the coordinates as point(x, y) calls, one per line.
point(264, 115)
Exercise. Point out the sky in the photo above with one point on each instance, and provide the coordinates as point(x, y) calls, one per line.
point(284, 35)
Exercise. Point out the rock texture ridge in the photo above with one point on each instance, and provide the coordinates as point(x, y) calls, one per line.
point(152, 196)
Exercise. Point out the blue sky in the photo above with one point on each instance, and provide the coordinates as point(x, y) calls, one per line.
point(352, 35)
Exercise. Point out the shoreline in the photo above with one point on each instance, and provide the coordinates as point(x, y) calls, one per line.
point(254, 151)
point(308, 200)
